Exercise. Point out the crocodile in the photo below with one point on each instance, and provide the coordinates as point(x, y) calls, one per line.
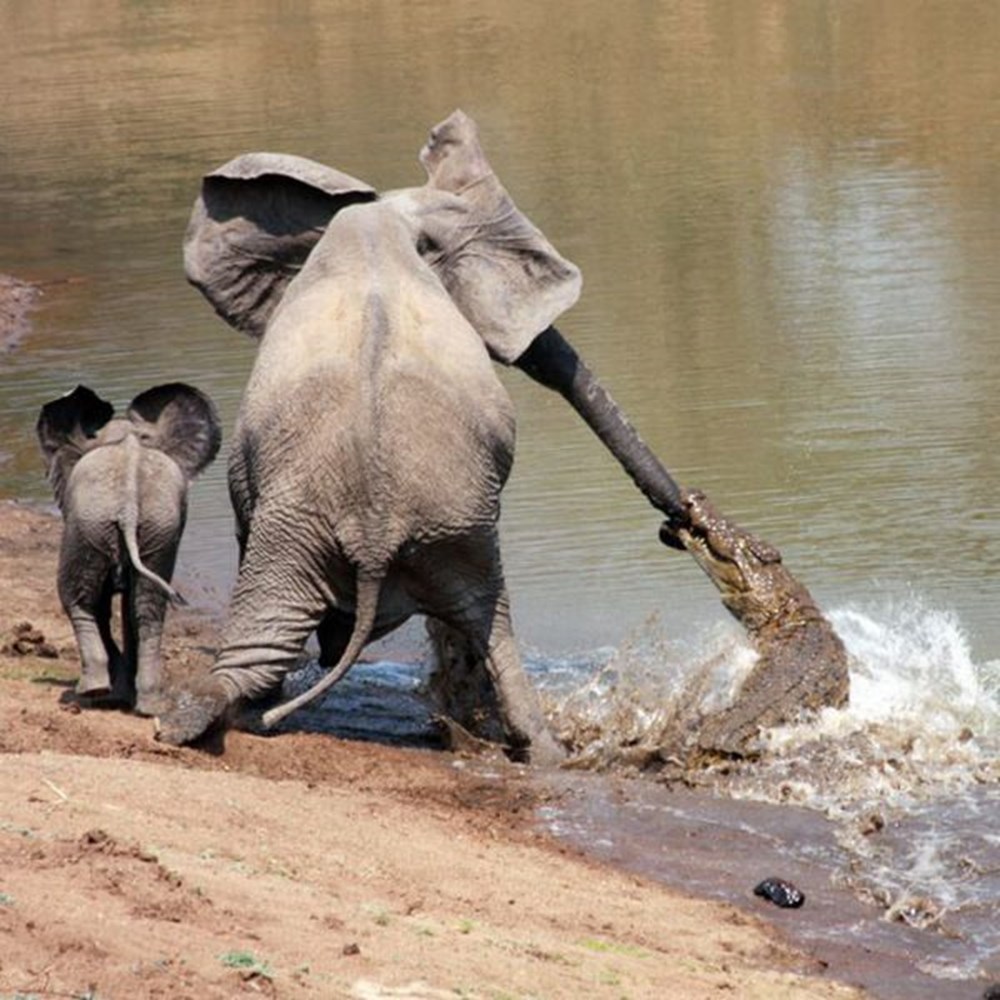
point(802, 663)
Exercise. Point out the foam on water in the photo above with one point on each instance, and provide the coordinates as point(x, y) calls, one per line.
point(912, 664)
point(909, 772)
point(915, 692)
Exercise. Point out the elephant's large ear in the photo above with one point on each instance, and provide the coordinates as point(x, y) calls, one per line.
point(254, 224)
point(181, 421)
point(503, 274)
point(66, 428)
point(71, 421)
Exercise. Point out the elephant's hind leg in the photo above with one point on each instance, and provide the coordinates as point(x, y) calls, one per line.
point(85, 576)
point(517, 700)
point(459, 684)
point(279, 600)
point(147, 610)
point(472, 602)
point(95, 661)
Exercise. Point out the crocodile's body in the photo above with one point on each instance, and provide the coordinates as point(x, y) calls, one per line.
point(802, 663)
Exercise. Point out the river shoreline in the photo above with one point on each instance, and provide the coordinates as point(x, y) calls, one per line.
point(304, 884)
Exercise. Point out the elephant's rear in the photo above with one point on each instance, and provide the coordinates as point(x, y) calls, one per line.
point(97, 506)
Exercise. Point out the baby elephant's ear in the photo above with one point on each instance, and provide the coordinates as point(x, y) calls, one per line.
point(71, 421)
point(253, 226)
point(181, 421)
point(507, 279)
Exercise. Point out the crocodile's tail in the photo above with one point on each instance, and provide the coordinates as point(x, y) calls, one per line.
point(368, 589)
point(128, 521)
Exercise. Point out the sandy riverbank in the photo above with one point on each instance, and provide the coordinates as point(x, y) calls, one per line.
point(302, 865)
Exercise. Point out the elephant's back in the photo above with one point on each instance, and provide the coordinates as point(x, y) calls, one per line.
point(95, 489)
point(379, 413)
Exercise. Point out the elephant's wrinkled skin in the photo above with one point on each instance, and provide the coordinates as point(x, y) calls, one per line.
point(374, 436)
point(121, 485)
point(802, 664)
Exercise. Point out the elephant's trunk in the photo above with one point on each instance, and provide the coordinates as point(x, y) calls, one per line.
point(552, 361)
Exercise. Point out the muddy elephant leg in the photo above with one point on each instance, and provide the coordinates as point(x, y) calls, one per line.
point(463, 587)
point(488, 632)
point(85, 577)
point(281, 596)
point(459, 684)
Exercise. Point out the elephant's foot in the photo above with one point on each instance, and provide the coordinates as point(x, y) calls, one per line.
point(543, 751)
point(193, 712)
point(152, 703)
point(93, 683)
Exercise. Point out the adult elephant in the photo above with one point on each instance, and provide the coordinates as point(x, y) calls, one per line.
point(121, 485)
point(374, 436)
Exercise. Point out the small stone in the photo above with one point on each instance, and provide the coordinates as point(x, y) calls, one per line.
point(351, 949)
point(873, 823)
point(780, 892)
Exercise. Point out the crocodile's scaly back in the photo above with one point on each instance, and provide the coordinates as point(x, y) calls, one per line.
point(802, 663)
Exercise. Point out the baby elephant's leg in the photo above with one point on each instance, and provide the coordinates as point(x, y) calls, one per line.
point(84, 589)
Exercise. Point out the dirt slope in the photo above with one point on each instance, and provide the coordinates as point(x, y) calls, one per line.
point(303, 866)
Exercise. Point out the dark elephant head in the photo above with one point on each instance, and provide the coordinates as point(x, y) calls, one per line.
point(175, 418)
point(259, 217)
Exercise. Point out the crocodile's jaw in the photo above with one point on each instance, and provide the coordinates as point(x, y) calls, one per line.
point(739, 595)
point(724, 573)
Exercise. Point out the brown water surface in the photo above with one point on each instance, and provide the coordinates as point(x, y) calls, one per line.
point(787, 216)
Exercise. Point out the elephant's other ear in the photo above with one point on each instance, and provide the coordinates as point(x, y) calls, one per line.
point(71, 422)
point(253, 226)
point(182, 422)
point(67, 428)
point(504, 275)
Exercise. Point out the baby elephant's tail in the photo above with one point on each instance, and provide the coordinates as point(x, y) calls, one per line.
point(366, 607)
point(128, 522)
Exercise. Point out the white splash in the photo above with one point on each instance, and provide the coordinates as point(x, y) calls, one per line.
point(923, 716)
point(912, 675)
point(911, 663)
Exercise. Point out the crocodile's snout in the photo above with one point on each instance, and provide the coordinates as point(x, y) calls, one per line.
point(669, 535)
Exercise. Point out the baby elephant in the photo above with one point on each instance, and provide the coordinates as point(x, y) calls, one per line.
point(121, 485)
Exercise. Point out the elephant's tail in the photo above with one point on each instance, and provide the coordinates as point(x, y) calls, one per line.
point(368, 589)
point(128, 521)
